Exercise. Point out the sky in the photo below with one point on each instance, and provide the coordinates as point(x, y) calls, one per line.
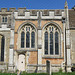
point(36, 4)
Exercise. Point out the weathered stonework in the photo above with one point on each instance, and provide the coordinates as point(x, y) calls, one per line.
point(33, 59)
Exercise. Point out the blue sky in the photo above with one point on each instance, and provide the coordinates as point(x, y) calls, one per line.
point(36, 4)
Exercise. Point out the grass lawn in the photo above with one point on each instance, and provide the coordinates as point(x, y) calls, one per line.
point(8, 74)
point(59, 73)
point(34, 74)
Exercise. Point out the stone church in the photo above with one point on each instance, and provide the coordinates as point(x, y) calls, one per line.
point(28, 38)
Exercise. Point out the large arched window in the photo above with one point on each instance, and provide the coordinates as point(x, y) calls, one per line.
point(46, 42)
point(22, 39)
point(27, 40)
point(51, 40)
point(2, 48)
point(32, 39)
point(27, 34)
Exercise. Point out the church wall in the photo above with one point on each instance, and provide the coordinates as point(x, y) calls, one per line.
point(43, 22)
point(7, 44)
point(33, 58)
point(53, 61)
point(72, 33)
point(15, 41)
point(18, 23)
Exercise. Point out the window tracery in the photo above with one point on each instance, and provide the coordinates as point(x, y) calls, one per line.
point(27, 33)
point(51, 40)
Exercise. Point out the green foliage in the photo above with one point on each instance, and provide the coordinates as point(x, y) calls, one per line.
point(34, 74)
point(60, 70)
point(0, 71)
point(69, 73)
point(24, 73)
point(8, 74)
point(16, 71)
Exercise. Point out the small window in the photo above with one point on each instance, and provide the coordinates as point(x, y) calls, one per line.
point(4, 19)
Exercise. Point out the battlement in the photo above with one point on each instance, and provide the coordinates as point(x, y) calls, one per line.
point(33, 12)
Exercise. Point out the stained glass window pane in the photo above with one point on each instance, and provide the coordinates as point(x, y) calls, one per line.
point(51, 43)
point(22, 39)
point(2, 48)
point(32, 39)
point(56, 43)
point(46, 42)
point(27, 39)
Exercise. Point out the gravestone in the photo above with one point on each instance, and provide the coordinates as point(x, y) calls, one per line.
point(48, 67)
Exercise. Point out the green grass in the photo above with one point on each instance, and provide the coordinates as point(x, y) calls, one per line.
point(58, 73)
point(34, 74)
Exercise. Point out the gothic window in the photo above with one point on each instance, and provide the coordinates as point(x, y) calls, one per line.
point(51, 40)
point(2, 48)
point(46, 42)
point(56, 43)
point(32, 39)
point(22, 39)
point(27, 39)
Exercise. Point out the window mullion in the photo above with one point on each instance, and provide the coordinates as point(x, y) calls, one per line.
point(54, 42)
point(48, 44)
point(30, 40)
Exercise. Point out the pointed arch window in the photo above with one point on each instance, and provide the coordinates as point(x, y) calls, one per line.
point(28, 37)
point(32, 39)
point(22, 39)
point(56, 43)
point(51, 42)
point(46, 42)
point(27, 40)
point(2, 48)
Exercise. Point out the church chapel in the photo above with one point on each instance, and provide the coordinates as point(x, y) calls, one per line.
point(30, 37)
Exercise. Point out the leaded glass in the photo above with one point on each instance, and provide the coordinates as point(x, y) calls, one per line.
point(32, 39)
point(22, 39)
point(51, 42)
point(56, 43)
point(27, 40)
point(46, 42)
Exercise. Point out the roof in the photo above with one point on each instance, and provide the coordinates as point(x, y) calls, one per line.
point(72, 17)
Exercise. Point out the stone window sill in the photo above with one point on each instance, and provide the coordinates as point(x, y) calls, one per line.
point(55, 57)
